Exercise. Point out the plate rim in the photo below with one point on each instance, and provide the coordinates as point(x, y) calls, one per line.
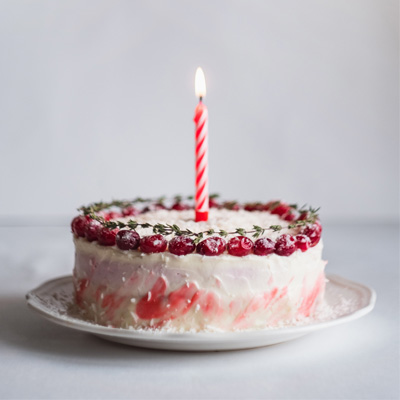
point(148, 335)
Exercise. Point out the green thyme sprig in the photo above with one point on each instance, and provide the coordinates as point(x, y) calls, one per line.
point(173, 229)
point(100, 206)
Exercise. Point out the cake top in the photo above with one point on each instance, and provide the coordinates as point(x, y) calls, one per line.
point(218, 220)
point(153, 226)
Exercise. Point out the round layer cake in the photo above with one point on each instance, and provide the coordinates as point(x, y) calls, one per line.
point(245, 268)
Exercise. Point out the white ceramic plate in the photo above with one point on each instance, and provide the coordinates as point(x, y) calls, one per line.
point(346, 301)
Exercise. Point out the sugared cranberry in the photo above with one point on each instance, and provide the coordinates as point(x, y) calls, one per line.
point(240, 246)
point(303, 242)
point(213, 203)
point(112, 215)
point(231, 205)
point(181, 245)
point(253, 207)
point(130, 211)
point(106, 237)
point(264, 246)
point(154, 207)
point(270, 205)
point(153, 244)
point(102, 214)
point(303, 216)
point(212, 246)
point(285, 245)
point(289, 216)
point(92, 229)
point(313, 232)
point(318, 225)
point(180, 207)
point(78, 225)
point(280, 209)
point(127, 240)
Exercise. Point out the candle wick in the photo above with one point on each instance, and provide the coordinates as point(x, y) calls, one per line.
point(201, 99)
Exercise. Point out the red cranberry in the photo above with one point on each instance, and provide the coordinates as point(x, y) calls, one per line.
point(78, 225)
point(303, 242)
point(289, 216)
point(285, 245)
point(303, 216)
point(102, 214)
point(319, 226)
point(127, 240)
point(212, 246)
point(313, 232)
point(280, 209)
point(231, 205)
point(154, 207)
point(130, 211)
point(270, 205)
point(253, 207)
point(240, 246)
point(153, 244)
point(106, 237)
point(181, 245)
point(92, 229)
point(264, 246)
point(112, 215)
point(180, 207)
point(212, 203)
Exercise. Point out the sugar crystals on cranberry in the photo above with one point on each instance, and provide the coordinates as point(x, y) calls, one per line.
point(78, 225)
point(153, 244)
point(303, 242)
point(264, 246)
point(106, 236)
point(240, 246)
point(285, 245)
point(212, 246)
point(127, 240)
point(181, 245)
point(313, 232)
point(91, 230)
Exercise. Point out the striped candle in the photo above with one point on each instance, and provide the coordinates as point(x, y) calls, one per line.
point(201, 130)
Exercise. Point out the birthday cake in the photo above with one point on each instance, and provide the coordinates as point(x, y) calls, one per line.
point(145, 265)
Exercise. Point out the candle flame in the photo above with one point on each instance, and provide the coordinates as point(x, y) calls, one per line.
point(200, 83)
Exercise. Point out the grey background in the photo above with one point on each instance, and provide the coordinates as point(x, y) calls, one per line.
point(97, 100)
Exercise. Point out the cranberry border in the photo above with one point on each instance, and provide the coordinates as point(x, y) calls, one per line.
point(97, 224)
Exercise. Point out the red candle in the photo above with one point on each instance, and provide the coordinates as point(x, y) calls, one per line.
point(201, 130)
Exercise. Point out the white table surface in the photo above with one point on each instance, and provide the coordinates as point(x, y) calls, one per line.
point(40, 360)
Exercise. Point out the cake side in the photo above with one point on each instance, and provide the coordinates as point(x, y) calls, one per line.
point(194, 292)
point(245, 268)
